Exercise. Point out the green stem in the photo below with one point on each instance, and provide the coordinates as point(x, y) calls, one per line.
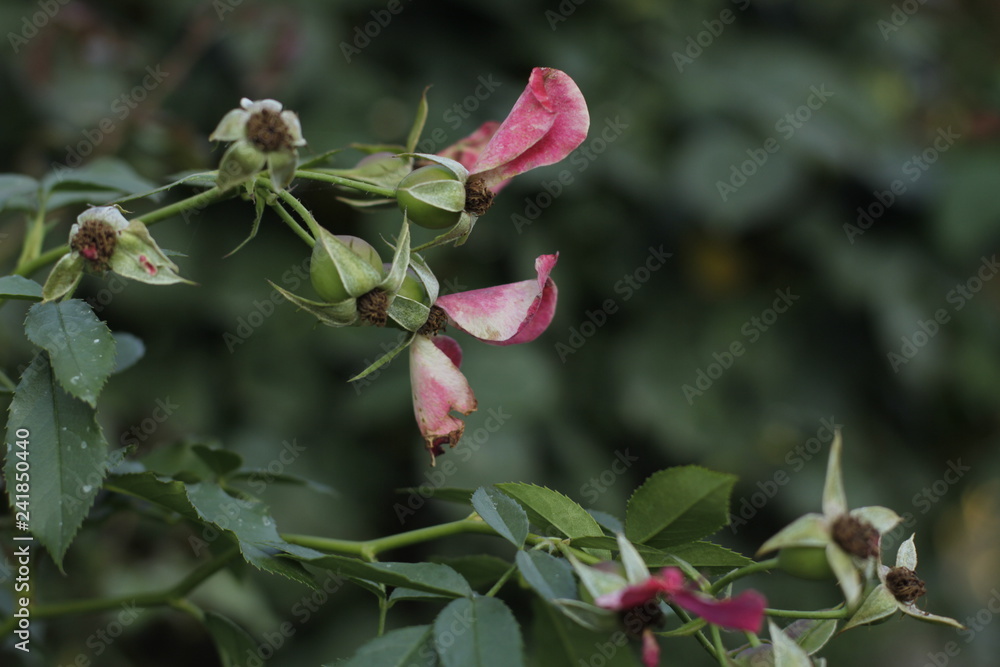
point(823, 613)
point(720, 649)
point(34, 238)
point(46, 258)
point(348, 182)
point(752, 568)
point(699, 635)
point(293, 224)
point(501, 581)
point(369, 549)
point(173, 596)
point(303, 212)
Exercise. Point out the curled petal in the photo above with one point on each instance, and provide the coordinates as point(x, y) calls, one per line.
point(261, 105)
point(743, 612)
point(634, 595)
point(294, 127)
point(548, 121)
point(232, 127)
point(650, 649)
point(466, 151)
point(438, 388)
point(506, 314)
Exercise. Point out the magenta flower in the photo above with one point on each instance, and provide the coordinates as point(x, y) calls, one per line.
point(502, 315)
point(743, 612)
point(548, 121)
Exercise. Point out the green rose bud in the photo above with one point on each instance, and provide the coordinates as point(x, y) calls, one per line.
point(432, 197)
point(343, 267)
point(805, 563)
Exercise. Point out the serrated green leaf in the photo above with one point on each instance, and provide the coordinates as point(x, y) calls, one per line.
point(607, 521)
point(559, 642)
point(478, 632)
point(551, 577)
point(80, 346)
point(231, 641)
point(258, 478)
point(254, 528)
point(178, 460)
point(424, 577)
point(502, 514)
point(129, 349)
point(678, 505)
point(19, 287)
point(65, 450)
point(167, 493)
point(550, 509)
point(220, 461)
point(103, 173)
point(405, 647)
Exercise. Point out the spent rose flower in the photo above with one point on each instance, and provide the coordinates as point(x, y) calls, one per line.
point(503, 315)
point(262, 135)
point(899, 590)
point(548, 121)
point(103, 240)
point(637, 597)
point(850, 539)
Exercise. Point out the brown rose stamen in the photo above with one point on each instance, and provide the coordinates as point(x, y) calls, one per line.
point(268, 132)
point(478, 197)
point(96, 242)
point(904, 584)
point(436, 322)
point(373, 306)
point(855, 536)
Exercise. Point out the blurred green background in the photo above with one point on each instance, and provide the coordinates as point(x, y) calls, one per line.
point(744, 138)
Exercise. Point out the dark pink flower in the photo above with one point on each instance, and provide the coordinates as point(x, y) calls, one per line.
point(503, 315)
point(743, 612)
point(548, 121)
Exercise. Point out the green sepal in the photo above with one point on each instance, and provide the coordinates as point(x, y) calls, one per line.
point(341, 314)
point(240, 161)
point(137, 256)
point(64, 277)
point(385, 358)
point(413, 138)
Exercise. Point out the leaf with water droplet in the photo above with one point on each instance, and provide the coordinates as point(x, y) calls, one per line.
point(61, 329)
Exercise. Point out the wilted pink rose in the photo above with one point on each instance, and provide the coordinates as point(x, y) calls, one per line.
point(743, 612)
point(502, 315)
point(548, 121)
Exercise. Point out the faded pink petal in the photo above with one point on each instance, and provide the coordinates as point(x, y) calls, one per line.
point(467, 150)
point(650, 649)
point(743, 612)
point(548, 121)
point(506, 314)
point(438, 388)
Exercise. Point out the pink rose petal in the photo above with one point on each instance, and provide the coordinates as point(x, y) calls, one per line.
point(438, 388)
point(548, 121)
point(467, 150)
point(506, 314)
point(743, 612)
point(650, 649)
